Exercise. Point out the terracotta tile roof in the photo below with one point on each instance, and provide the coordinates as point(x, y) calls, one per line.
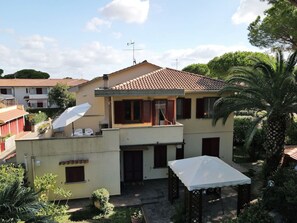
point(70, 162)
point(39, 82)
point(11, 115)
point(291, 151)
point(167, 78)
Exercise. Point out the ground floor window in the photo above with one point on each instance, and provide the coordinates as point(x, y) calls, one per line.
point(211, 146)
point(75, 174)
point(160, 156)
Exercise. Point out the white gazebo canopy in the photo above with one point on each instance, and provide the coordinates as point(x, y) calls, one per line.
point(205, 172)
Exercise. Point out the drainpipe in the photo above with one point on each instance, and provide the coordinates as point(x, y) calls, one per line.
point(33, 167)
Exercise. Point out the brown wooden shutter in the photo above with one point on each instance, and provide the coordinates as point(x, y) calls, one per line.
point(146, 111)
point(170, 111)
point(200, 108)
point(118, 112)
point(187, 108)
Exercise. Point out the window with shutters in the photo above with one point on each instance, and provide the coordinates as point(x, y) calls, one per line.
point(132, 111)
point(183, 108)
point(204, 107)
point(75, 174)
point(160, 156)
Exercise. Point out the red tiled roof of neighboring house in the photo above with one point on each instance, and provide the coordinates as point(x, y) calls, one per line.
point(39, 82)
point(70, 162)
point(11, 115)
point(167, 78)
point(291, 151)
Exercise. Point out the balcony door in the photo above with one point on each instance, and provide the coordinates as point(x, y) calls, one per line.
point(133, 166)
point(163, 112)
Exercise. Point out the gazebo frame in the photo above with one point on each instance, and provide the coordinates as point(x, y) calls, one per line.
point(193, 198)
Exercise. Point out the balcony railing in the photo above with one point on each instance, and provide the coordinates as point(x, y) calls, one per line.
point(158, 134)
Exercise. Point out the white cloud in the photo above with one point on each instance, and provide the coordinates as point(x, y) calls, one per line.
point(45, 54)
point(130, 11)
point(117, 35)
point(248, 11)
point(95, 23)
point(36, 42)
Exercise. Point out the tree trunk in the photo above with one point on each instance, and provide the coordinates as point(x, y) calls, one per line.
point(274, 143)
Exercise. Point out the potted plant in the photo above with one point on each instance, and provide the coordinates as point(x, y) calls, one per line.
point(136, 216)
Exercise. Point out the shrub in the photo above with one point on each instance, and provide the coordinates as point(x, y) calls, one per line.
point(39, 117)
point(242, 125)
point(11, 173)
point(46, 184)
point(291, 136)
point(100, 198)
point(251, 214)
point(282, 196)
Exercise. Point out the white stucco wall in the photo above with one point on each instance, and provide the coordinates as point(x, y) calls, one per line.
point(102, 152)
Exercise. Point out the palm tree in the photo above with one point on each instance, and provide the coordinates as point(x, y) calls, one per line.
point(20, 203)
point(268, 89)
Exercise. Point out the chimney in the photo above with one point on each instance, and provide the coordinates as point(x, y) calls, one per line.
point(105, 81)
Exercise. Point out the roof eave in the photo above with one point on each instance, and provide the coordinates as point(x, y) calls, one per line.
point(202, 91)
point(148, 92)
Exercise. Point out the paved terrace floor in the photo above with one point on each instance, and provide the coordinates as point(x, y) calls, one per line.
point(152, 195)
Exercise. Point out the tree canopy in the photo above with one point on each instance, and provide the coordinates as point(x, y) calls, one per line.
point(269, 89)
point(28, 73)
point(278, 29)
point(197, 68)
point(219, 66)
point(60, 96)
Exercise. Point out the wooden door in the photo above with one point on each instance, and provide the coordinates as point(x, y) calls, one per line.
point(211, 146)
point(133, 166)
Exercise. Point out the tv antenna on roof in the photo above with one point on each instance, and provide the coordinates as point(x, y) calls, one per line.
point(133, 50)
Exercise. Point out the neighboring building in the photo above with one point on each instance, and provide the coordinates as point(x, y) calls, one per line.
point(32, 93)
point(143, 116)
point(12, 123)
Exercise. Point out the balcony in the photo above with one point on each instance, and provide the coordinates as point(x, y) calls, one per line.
point(38, 96)
point(151, 135)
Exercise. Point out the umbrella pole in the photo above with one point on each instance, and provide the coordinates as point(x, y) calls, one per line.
point(72, 128)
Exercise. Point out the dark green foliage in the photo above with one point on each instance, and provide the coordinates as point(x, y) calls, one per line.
point(50, 112)
point(28, 73)
point(282, 197)
point(269, 90)
point(20, 203)
point(242, 127)
point(1, 72)
point(253, 213)
point(278, 29)
point(60, 96)
point(198, 68)
point(291, 137)
point(220, 66)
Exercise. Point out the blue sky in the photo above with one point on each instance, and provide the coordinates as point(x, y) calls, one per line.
point(85, 39)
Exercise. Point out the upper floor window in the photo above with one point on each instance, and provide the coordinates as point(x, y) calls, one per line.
point(38, 90)
point(3, 91)
point(132, 111)
point(183, 108)
point(204, 107)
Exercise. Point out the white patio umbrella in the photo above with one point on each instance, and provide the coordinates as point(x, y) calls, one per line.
point(70, 115)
